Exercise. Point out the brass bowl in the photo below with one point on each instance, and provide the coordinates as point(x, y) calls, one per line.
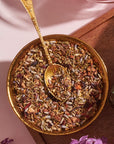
point(103, 72)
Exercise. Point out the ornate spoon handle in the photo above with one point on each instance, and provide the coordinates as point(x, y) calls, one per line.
point(29, 8)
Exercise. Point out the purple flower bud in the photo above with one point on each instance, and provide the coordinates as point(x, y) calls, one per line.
point(104, 140)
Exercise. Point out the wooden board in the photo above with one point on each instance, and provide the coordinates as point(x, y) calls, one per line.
point(100, 35)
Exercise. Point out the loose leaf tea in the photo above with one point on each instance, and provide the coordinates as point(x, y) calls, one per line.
point(33, 99)
point(60, 84)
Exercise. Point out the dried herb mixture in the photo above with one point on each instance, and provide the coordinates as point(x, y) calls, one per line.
point(33, 98)
point(60, 84)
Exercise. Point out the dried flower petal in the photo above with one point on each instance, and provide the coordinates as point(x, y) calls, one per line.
point(98, 141)
point(83, 138)
point(90, 141)
point(86, 140)
point(74, 141)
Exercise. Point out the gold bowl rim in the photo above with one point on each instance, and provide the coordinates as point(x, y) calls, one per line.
point(59, 37)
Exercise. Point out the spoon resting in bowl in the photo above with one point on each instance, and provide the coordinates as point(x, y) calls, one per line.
point(56, 76)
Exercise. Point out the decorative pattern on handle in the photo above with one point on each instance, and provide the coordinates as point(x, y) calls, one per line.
point(29, 8)
point(27, 4)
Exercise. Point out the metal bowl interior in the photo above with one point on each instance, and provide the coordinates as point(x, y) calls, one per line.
point(95, 56)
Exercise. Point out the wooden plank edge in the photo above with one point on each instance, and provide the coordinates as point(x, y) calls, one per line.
point(92, 25)
point(38, 138)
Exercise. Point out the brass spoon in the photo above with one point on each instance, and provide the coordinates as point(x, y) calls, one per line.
point(52, 68)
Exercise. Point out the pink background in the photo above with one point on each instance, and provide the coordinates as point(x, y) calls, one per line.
point(16, 30)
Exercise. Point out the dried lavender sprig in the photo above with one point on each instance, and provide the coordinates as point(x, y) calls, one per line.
point(6, 141)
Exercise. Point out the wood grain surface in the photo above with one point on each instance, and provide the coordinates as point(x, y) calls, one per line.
point(100, 35)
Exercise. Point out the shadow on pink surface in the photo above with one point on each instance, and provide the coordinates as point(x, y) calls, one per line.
point(10, 125)
point(4, 103)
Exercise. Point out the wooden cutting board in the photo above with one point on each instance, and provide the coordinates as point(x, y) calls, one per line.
point(100, 35)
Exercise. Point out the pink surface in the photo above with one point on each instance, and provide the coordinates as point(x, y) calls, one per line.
point(10, 125)
point(16, 30)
